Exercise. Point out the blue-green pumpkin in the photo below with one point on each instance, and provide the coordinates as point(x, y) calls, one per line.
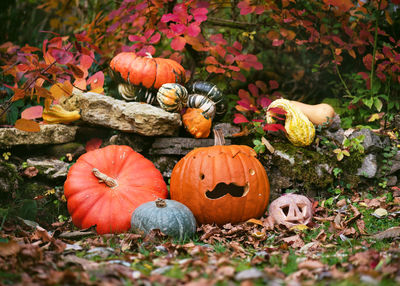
point(171, 217)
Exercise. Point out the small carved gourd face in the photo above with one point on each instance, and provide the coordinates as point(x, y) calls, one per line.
point(291, 210)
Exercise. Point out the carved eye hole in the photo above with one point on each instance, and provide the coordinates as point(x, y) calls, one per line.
point(202, 176)
point(252, 172)
point(285, 210)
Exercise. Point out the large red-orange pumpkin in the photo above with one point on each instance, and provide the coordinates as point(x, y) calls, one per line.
point(147, 71)
point(106, 185)
point(221, 184)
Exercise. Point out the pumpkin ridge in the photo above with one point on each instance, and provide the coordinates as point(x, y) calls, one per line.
point(149, 72)
point(158, 76)
point(129, 194)
point(122, 165)
point(135, 66)
point(96, 197)
point(87, 216)
point(180, 225)
point(246, 175)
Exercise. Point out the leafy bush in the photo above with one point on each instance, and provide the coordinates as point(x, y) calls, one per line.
point(341, 51)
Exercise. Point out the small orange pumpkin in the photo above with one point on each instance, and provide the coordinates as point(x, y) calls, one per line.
point(197, 122)
point(221, 184)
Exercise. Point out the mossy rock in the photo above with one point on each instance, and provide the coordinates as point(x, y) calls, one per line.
point(310, 170)
point(9, 180)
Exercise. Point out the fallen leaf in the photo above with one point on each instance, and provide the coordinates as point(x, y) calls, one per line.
point(341, 203)
point(27, 125)
point(31, 172)
point(310, 264)
point(380, 212)
point(9, 248)
point(373, 203)
point(41, 234)
point(309, 246)
point(361, 226)
point(32, 112)
point(93, 144)
point(86, 264)
point(392, 232)
point(268, 145)
point(248, 274)
point(226, 271)
point(259, 234)
point(299, 227)
point(255, 221)
point(294, 241)
point(79, 233)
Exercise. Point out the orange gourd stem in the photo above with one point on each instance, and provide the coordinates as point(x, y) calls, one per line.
point(103, 178)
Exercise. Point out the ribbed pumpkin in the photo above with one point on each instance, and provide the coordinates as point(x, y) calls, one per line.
point(172, 97)
point(197, 122)
point(169, 216)
point(221, 184)
point(147, 72)
point(106, 185)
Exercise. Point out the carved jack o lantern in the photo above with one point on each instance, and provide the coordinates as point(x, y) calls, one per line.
point(221, 184)
point(291, 210)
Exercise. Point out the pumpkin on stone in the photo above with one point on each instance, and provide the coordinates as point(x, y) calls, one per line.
point(169, 216)
point(197, 122)
point(299, 129)
point(198, 117)
point(57, 114)
point(139, 76)
point(221, 184)
point(106, 185)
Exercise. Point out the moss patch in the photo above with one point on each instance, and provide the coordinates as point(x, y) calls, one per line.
point(312, 169)
point(308, 166)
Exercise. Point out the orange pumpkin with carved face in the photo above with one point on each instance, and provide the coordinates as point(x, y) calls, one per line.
point(221, 184)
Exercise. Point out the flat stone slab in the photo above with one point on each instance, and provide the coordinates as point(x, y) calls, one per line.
point(180, 146)
point(48, 134)
point(52, 168)
point(135, 117)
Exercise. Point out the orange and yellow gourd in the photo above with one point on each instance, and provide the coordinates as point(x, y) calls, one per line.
point(299, 129)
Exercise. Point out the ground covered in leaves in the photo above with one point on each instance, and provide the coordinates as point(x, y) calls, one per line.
point(352, 240)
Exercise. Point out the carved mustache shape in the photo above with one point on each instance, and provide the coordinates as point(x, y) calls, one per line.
point(221, 189)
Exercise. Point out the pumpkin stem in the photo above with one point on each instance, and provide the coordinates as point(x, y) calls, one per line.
point(103, 178)
point(160, 203)
point(218, 137)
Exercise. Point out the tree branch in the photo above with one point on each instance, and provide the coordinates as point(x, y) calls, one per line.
point(230, 23)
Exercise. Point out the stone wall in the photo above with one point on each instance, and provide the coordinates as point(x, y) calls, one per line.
point(44, 158)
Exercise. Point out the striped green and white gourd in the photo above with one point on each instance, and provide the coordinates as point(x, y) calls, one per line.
point(211, 91)
point(134, 93)
point(299, 129)
point(172, 97)
point(171, 217)
point(202, 102)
